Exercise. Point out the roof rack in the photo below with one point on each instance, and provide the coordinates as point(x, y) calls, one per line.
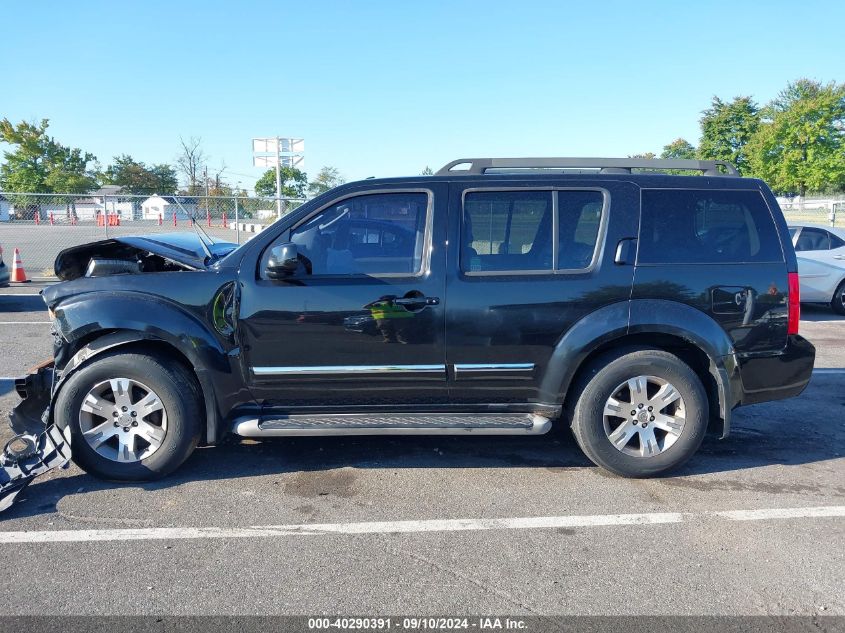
point(478, 166)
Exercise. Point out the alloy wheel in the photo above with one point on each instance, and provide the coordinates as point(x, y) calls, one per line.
point(123, 420)
point(644, 416)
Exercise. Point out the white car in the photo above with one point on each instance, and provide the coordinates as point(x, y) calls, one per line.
point(821, 264)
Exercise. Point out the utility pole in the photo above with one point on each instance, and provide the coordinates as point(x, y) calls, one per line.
point(278, 177)
point(205, 179)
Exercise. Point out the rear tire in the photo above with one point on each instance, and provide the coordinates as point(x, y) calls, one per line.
point(838, 301)
point(662, 412)
point(132, 416)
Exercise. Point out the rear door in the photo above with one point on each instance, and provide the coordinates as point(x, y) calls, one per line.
point(525, 264)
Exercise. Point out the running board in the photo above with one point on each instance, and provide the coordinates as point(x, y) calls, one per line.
point(394, 424)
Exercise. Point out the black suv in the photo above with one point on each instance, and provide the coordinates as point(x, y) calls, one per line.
point(499, 296)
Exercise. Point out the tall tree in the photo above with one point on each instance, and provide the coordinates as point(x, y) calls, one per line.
point(800, 146)
point(40, 164)
point(190, 163)
point(726, 129)
point(294, 183)
point(327, 178)
point(679, 148)
point(136, 178)
point(428, 171)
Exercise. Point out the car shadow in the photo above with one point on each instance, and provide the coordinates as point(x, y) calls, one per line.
point(818, 313)
point(792, 432)
point(22, 303)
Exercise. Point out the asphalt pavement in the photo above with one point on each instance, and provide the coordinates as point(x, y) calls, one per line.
point(752, 525)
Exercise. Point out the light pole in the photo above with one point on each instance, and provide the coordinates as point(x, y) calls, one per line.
point(276, 152)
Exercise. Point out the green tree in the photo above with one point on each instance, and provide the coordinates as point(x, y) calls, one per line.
point(136, 178)
point(679, 148)
point(39, 164)
point(26, 167)
point(294, 183)
point(800, 146)
point(327, 178)
point(428, 171)
point(726, 129)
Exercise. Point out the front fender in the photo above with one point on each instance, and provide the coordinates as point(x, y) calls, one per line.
point(126, 318)
point(152, 317)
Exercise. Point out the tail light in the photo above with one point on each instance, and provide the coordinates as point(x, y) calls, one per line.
point(794, 302)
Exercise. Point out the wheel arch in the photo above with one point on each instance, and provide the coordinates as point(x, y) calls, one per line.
point(658, 324)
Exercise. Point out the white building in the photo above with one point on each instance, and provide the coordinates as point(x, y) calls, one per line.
point(156, 206)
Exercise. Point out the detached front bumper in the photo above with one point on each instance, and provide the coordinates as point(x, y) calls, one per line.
point(35, 390)
point(38, 446)
point(27, 456)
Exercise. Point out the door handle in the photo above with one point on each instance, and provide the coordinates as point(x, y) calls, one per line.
point(626, 250)
point(416, 301)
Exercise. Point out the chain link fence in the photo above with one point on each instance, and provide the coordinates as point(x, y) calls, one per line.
point(824, 211)
point(41, 225)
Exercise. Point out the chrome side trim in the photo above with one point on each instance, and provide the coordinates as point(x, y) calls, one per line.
point(494, 367)
point(320, 370)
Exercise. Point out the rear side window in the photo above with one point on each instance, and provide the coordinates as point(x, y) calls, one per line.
point(507, 231)
point(689, 226)
point(813, 240)
point(579, 219)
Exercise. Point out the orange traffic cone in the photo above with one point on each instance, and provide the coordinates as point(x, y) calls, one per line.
point(18, 273)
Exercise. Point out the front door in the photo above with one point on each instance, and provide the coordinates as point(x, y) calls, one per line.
point(361, 324)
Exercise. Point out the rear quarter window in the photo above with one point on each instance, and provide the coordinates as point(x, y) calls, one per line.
point(688, 226)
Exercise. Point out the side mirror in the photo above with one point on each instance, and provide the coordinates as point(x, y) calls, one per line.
point(283, 262)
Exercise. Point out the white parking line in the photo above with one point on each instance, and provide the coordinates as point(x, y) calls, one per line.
point(25, 322)
point(783, 513)
point(413, 527)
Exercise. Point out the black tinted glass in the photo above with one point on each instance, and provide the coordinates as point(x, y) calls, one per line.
point(813, 240)
point(372, 234)
point(579, 219)
point(507, 231)
point(699, 226)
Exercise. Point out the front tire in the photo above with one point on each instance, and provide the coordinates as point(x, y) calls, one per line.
point(132, 416)
point(838, 301)
point(640, 413)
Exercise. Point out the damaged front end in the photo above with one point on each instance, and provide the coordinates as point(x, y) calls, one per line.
point(37, 447)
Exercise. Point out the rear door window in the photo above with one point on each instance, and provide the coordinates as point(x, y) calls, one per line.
point(691, 226)
point(507, 231)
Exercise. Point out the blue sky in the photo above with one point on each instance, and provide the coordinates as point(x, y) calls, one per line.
point(385, 88)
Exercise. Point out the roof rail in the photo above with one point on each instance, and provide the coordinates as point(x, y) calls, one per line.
point(477, 166)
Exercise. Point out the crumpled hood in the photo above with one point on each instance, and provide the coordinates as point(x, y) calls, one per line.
point(182, 248)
